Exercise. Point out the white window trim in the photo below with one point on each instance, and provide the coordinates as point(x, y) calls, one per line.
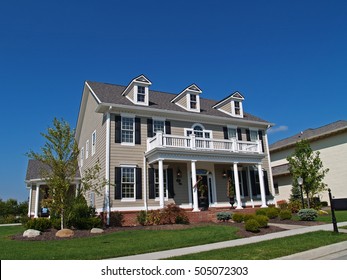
point(93, 143)
point(129, 199)
point(130, 116)
point(87, 149)
point(232, 127)
point(254, 130)
point(233, 111)
point(156, 169)
point(203, 130)
point(197, 109)
point(159, 120)
point(146, 102)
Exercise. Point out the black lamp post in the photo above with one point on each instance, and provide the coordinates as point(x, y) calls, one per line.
point(300, 182)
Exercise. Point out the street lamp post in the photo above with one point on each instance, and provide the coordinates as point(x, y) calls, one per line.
point(300, 182)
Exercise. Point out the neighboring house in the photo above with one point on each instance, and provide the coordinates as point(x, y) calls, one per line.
point(152, 146)
point(38, 189)
point(331, 141)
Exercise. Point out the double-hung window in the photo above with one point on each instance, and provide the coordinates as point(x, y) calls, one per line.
point(193, 101)
point(231, 133)
point(158, 125)
point(128, 130)
point(254, 135)
point(87, 149)
point(82, 156)
point(237, 108)
point(128, 183)
point(93, 142)
point(141, 94)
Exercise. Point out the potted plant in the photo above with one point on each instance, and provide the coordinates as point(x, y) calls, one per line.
point(231, 192)
point(202, 188)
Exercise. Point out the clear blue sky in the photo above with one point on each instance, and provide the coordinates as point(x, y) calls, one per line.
point(288, 58)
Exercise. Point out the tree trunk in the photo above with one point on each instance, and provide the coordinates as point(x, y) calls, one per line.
point(308, 201)
point(62, 220)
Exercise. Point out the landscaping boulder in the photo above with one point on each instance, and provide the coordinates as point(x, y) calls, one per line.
point(64, 233)
point(96, 230)
point(30, 233)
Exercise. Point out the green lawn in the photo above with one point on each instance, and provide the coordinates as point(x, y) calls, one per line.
point(110, 245)
point(341, 216)
point(267, 250)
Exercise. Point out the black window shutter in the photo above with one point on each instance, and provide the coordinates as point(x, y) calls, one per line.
point(167, 127)
point(260, 134)
point(253, 184)
point(239, 134)
point(225, 131)
point(118, 122)
point(137, 131)
point(118, 183)
point(149, 128)
point(151, 194)
point(266, 183)
point(248, 134)
point(244, 181)
point(138, 183)
point(170, 182)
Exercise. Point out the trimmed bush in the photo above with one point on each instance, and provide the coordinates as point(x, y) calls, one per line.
point(272, 212)
point(247, 217)
point(116, 219)
point(294, 206)
point(307, 214)
point(182, 219)
point(261, 211)
point(252, 226)
point(224, 216)
point(285, 214)
point(282, 204)
point(262, 220)
point(238, 217)
point(142, 217)
point(40, 224)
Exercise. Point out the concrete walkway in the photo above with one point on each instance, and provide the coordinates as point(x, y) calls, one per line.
point(292, 230)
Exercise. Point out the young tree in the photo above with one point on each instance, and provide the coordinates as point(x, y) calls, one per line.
point(60, 155)
point(307, 164)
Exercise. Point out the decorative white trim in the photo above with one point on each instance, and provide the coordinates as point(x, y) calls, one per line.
point(93, 93)
point(107, 167)
point(93, 143)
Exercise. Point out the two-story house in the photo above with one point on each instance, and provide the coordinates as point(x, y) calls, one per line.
point(330, 141)
point(153, 146)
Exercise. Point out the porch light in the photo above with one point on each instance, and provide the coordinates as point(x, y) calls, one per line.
point(179, 173)
point(224, 174)
point(300, 182)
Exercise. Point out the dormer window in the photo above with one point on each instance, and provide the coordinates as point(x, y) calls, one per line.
point(189, 99)
point(232, 105)
point(193, 101)
point(141, 94)
point(137, 91)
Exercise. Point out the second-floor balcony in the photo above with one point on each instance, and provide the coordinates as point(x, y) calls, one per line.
point(208, 144)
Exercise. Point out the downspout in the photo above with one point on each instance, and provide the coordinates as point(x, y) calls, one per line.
point(107, 170)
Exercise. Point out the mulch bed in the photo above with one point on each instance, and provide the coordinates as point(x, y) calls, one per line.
point(50, 235)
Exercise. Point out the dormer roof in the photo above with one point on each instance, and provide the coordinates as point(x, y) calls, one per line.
point(231, 105)
point(189, 99)
point(137, 91)
point(234, 96)
point(139, 80)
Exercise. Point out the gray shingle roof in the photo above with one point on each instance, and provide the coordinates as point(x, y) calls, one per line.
point(35, 169)
point(109, 93)
point(280, 170)
point(310, 134)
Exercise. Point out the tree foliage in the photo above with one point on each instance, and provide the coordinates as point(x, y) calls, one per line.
point(306, 164)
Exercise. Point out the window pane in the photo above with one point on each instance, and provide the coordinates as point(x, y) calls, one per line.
point(128, 182)
point(156, 182)
point(231, 133)
point(254, 135)
point(127, 130)
point(158, 126)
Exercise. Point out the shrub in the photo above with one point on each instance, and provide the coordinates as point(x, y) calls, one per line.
point(40, 224)
point(282, 204)
point(307, 214)
point(154, 217)
point(261, 211)
point(262, 220)
point(224, 216)
point(247, 217)
point(238, 217)
point(182, 219)
point(294, 206)
point(285, 214)
point(116, 219)
point(272, 212)
point(171, 212)
point(55, 223)
point(252, 225)
point(142, 217)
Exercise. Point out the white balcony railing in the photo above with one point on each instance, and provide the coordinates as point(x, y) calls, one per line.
point(193, 143)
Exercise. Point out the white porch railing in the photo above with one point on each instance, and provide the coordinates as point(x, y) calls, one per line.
point(193, 143)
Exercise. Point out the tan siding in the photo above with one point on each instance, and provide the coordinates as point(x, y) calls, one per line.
point(183, 101)
point(226, 107)
point(94, 122)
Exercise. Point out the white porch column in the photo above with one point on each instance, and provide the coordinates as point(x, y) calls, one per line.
point(262, 186)
point(37, 196)
point(237, 186)
point(195, 190)
point(107, 168)
point(161, 184)
point(30, 198)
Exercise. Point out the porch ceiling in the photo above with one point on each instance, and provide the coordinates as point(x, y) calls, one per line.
point(202, 155)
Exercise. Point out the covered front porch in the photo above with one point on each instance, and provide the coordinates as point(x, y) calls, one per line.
point(214, 168)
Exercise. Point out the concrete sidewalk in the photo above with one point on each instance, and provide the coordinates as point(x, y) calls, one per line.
point(238, 242)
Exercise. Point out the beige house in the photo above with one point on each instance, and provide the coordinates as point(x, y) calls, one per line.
point(153, 146)
point(331, 141)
